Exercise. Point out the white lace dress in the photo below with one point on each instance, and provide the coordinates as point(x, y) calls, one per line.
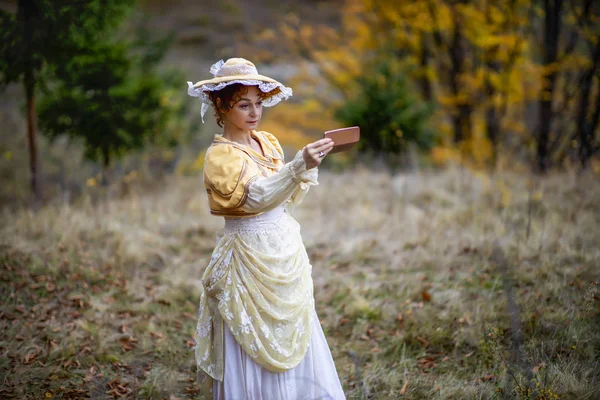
point(258, 334)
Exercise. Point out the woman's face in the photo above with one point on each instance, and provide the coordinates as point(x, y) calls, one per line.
point(245, 114)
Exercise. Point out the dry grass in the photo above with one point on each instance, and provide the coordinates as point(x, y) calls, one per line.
point(99, 298)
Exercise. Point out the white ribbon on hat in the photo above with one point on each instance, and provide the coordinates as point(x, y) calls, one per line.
point(194, 92)
point(216, 67)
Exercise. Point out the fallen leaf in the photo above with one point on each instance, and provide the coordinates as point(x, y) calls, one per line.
point(403, 390)
point(400, 320)
point(426, 296)
point(118, 389)
point(127, 343)
point(427, 363)
point(191, 390)
point(423, 341)
point(157, 335)
point(488, 378)
point(538, 367)
point(30, 356)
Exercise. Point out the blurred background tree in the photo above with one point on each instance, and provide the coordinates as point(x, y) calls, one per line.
point(569, 104)
point(110, 96)
point(46, 33)
point(510, 79)
point(98, 86)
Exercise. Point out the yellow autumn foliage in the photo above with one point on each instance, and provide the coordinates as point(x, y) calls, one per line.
point(478, 58)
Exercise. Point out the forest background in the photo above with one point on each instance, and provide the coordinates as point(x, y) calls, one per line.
point(480, 145)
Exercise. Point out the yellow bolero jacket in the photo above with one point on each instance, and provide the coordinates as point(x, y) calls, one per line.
point(230, 168)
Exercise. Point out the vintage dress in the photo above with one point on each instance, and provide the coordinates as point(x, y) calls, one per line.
point(257, 289)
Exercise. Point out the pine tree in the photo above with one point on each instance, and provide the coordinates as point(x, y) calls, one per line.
point(112, 97)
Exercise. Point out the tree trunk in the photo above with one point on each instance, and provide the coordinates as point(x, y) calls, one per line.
point(424, 63)
point(26, 13)
point(105, 157)
point(32, 139)
point(461, 119)
point(551, 35)
point(493, 126)
point(585, 127)
point(493, 114)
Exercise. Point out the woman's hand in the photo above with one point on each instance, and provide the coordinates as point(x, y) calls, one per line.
point(314, 153)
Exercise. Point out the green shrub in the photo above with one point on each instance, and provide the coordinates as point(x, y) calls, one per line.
point(389, 114)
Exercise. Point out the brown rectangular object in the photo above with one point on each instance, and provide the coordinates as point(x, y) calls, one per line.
point(344, 138)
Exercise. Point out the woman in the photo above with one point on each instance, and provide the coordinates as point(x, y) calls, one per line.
point(258, 336)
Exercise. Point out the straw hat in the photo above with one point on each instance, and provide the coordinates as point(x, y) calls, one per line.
point(237, 70)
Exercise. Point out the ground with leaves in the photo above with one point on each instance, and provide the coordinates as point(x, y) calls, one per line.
point(447, 285)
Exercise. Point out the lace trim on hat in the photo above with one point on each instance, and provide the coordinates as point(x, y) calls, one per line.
point(265, 87)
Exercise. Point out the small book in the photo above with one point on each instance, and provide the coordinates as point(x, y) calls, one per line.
point(344, 138)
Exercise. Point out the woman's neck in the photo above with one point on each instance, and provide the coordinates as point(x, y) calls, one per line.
point(237, 135)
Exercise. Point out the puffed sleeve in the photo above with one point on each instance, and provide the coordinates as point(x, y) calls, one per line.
point(226, 176)
point(291, 183)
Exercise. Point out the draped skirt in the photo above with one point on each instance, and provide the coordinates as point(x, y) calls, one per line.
point(258, 335)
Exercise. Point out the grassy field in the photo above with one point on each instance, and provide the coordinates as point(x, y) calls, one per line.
point(440, 285)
